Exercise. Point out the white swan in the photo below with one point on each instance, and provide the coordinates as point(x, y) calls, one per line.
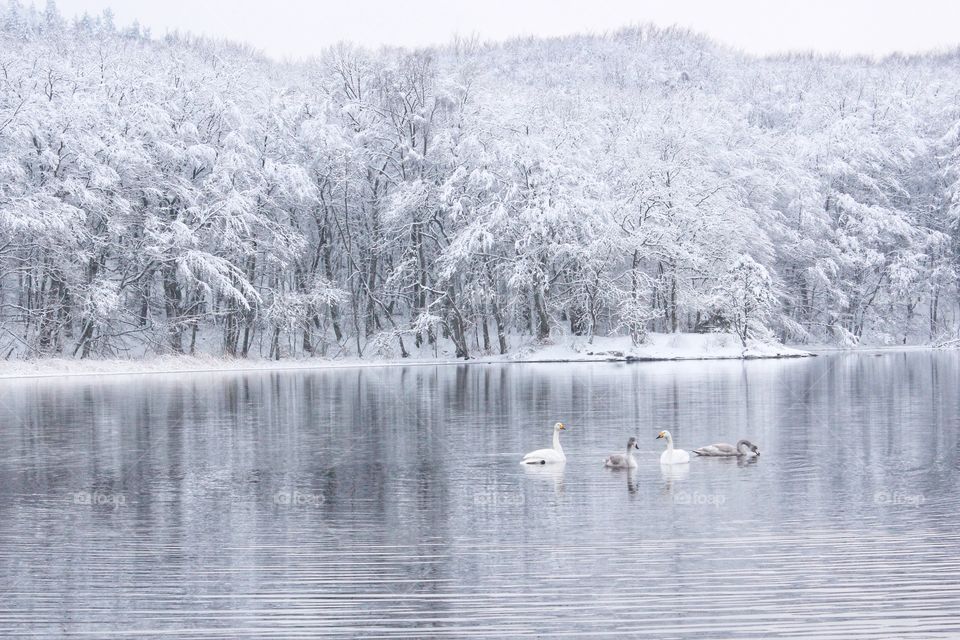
point(544, 456)
point(744, 448)
point(621, 461)
point(671, 455)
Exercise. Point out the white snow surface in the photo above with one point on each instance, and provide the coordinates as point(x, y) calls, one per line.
point(659, 346)
point(662, 346)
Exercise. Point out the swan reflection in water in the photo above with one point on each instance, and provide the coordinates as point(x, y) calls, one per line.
point(631, 481)
point(547, 473)
point(673, 474)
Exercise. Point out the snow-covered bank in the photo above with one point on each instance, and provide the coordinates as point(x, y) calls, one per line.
point(661, 346)
point(681, 346)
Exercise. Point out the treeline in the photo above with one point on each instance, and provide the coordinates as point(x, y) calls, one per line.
point(181, 195)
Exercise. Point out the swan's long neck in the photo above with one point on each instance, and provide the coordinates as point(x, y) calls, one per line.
point(556, 441)
point(669, 442)
point(629, 452)
point(742, 446)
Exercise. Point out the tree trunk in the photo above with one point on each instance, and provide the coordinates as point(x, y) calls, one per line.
point(486, 335)
point(173, 300)
point(543, 321)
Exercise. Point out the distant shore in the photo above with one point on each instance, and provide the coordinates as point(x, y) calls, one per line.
point(56, 368)
point(658, 347)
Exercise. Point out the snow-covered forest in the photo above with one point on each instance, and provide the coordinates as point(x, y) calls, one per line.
point(179, 195)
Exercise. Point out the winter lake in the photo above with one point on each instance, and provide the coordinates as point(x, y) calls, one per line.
point(388, 501)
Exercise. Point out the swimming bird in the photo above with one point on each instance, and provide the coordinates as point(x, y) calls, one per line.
point(623, 461)
point(671, 455)
point(744, 448)
point(544, 456)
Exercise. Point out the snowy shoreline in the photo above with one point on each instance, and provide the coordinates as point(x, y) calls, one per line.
point(659, 348)
point(58, 368)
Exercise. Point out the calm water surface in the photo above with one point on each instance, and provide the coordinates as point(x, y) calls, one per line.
point(389, 502)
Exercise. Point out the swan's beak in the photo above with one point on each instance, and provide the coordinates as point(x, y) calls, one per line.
point(636, 446)
point(563, 427)
point(757, 451)
point(659, 435)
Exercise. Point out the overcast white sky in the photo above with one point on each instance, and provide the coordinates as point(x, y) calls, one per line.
point(294, 28)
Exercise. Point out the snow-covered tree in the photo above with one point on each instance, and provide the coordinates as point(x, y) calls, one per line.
point(183, 195)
